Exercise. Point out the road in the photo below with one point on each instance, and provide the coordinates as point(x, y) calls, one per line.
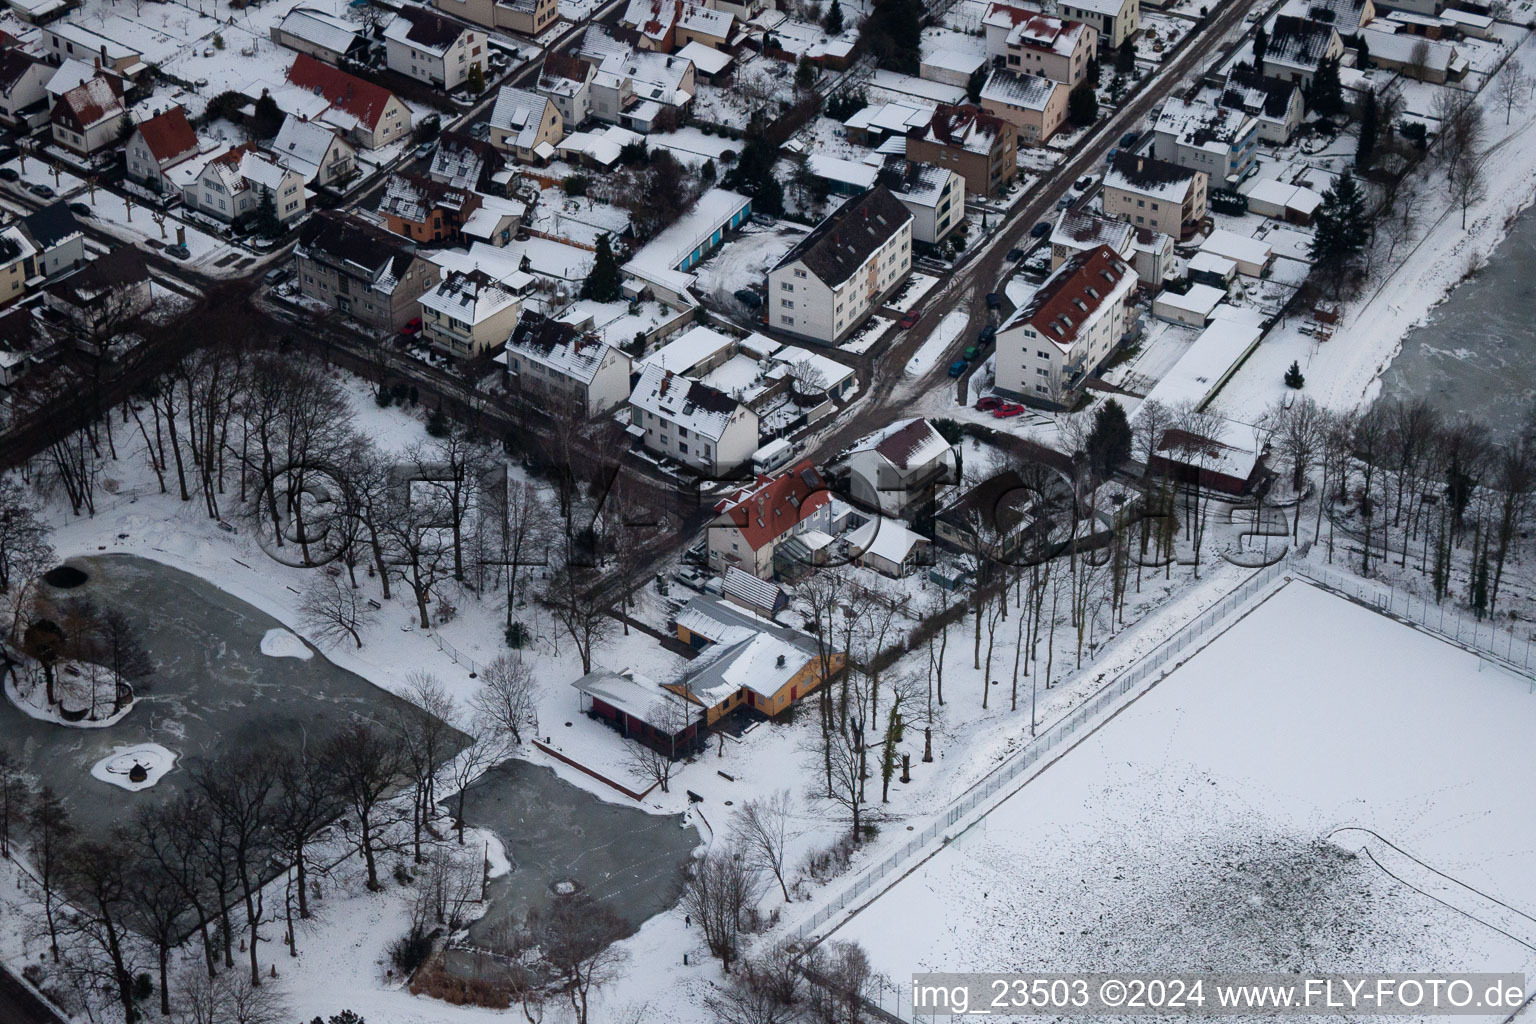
point(20, 1005)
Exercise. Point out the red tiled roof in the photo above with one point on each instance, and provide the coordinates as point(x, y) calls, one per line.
point(899, 446)
point(363, 100)
point(169, 135)
point(771, 508)
point(1066, 301)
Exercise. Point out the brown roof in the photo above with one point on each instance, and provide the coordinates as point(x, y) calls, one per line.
point(770, 508)
point(363, 100)
point(839, 245)
point(169, 135)
point(950, 123)
point(1074, 292)
point(91, 102)
point(899, 446)
point(567, 66)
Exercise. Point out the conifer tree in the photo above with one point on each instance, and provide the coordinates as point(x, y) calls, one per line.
point(605, 282)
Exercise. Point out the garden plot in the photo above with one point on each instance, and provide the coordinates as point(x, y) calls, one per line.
point(1214, 825)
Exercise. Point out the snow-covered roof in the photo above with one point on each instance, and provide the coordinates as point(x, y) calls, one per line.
point(885, 538)
point(520, 113)
point(1237, 247)
point(492, 212)
point(558, 346)
point(93, 42)
point(638, 696)
point(602, 146)
point(1200, 300)
point(424, 30)
point(1200, 125)
point(694, 346)
point(1027, 92)
point(763, 663)
point(1204, 262)
point(1082, 229)
point(755, 591)
point(471, 297)
point(856, 173)
point(94, 101)
point(891, 118)
point(907, 444)
point(1207, 363)
point(688, 403)
point(350, 100)
point(70, 74)
point(674, 244)
point(1111, 8)
point(963, 62)
point(656, 77)
point(301, 145)
point(320, 29)
point(965, 127)
point(1148, 176)
point(1046, 34)
point(1076, 293)
point(1399, 48)
point(831, 372)
point(1278, 193)
point(706, 59)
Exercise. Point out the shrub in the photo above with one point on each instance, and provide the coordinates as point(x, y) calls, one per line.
point(517, 636)
point(410, 951)
point(575, 185)
point(436, 983)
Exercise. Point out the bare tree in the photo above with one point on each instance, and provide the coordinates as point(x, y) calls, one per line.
point(155, 908)
point(13, 797)
point(762, 831)
point(576, 939)
point(846, 981)
point(427, 740)
point(334, 610)
point(366, 764)
point(1461, 125)
point(228, 999)
point(1418, 60)
point(49, 834)
point(1300, 441)
point(453, 467)
point(413, 527)
point(507, 698)
point(485, 748)
point(767, 989)
point(723, 888)
point(240, 790)
point(668, 717)
point(308, 799)
point(575, 596)
point(95, 872)
point(1469, 184)
point(1511, 85)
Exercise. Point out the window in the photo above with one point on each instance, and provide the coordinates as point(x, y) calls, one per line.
point(785, 286)
point(787, 303)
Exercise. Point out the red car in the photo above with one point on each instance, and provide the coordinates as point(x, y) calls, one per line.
point(910, 319)
point(412, 326)
point(988, 403)
point(1008, 410)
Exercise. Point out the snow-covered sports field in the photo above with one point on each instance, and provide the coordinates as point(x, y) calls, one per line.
point(1218, 822)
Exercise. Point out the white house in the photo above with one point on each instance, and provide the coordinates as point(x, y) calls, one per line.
point(1193, 308)
point(755, 520)
point(432, 49)
point(1221, 141)
point(693, 423)
point(1068, 328)
point(888, 546)
point(1297, 46)
point(549, 357)
point(935, 196)
point(1116, 20)
point(317, 152)
point(233, 183)
point(157, 145)
point(23, 82)
point(1156, 194)
point(901, 466)
point(88, 117)
point(1252, 256)
point(567, 81)
point(834, 277)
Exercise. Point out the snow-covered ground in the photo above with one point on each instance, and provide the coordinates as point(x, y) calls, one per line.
point(1214, 824)
point(117, 769)
point(932, 350)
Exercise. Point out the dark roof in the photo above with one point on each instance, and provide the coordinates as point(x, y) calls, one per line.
point(565, 65)
point(51, 225)
point(14, 63)
point(9, 249)
point(537, 332)
point(840, 244)
point(1277, 94)
point(1298, 40)
point(22, 331)
point(1148, 171)
point(346, 240)
point(950, 121)
point(1001, 502)
point(429, 29)
point(123, 265)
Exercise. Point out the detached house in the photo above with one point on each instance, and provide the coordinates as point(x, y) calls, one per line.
point(433, 49)
point(104, 292)
point(1032, 43)
point(525, 124)
point(1069, 327)
point(361, 271)
point(56, 238)
point(665, 25)
point(901, 467)
point(1297, 46)
point(1277, 106)
point(981, 148)
point(469, 314)
point(23, 92)
point(753, 521)
point(370, 115)
point(703, 428)
point(88, 118)
point(316, 151)
point(828, 284)
point(567, 82)
point(552, 358)
point(321, 35)
point(1115, 20)
point(1221, 141)
point(1156, 194)
point(233, 184)
point(159, 144)
point(527, 17)
point(1036, 106)
point(424, 210)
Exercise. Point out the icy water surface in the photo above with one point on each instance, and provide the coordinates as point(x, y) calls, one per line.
point(1477, 353)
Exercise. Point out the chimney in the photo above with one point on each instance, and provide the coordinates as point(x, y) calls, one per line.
point(781, 661)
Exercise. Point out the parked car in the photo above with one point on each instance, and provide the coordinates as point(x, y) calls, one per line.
point(179, 251)
point(80, 210)
point(910, 319)
point(986, 336)
point(1014, 255)
point(1008, 410)
point(1040, 230)
point(1109, 157)
point(994, 300)
point(971, 352)
point(1065, 201)
point(9, 174)
point(37, 188)
point(988, 403)
point(425, 150)
point(1129, 139)
point(957, 367)
point(749, 298)
point(275, 276)
point(412, 326)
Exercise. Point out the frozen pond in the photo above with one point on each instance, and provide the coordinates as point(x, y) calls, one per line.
point(1477, 353)
point(213, 690)
point(554, 832)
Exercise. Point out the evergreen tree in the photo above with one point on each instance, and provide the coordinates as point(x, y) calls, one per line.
point(805, 74)
point(1109, 442)
point(1117, 89)
point(475, 80)
point(1082, 105)
point(1341, 228)
point(264, 220)
point(605, 282)
point(1125, 59)
point(1260, 49)
point(1293, 377)
point(1362, 51)
point(975, 82)
point(1370, 116)
point(893, 32)
point(1326, 97)
point(437, 423)
point(753, 174)
point(833, 22)
point(1480, 582)
point(1091, 72)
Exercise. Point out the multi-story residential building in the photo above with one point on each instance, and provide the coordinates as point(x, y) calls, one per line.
point(23, 96)
point(1032, 43)
point(634, 88)
point(1297, 46)
point(981, 148)
point(56, 237)
point(1036, 106)
point(468, 314)
point(16, 264)
point(842, 271)
point(1115, 20)
point(1067, 329)
point(527, 17)
point(66, 40)
point(103, 294)
point(935, 196)
point(752, 522)
point(567, 82)
point(463, 162)
point(1277, 106)
point(235, 182)
point(1153, 193)
point(703, 428)
point(89, 117)
point(424, 210)
point(665, 25)
point(365, 273)
point(371, 115)
point(553, 360)
point(901, 467)
point(526, 124)
point(320, 35)
point(1149, 251)
point(1348, 16)
point(157, 145)
point(1219, 141)
point(433, 49)
point(316, 151)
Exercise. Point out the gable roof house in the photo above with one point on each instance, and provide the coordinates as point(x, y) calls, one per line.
point(633, 88)
point(1080, 315)
point(363, 272)
point(1297, 46)
point(552, 358)
point(157, 145)
point(1036, 106)
point(526, 124)
point(1348, 16)
point(935, 196)
point(754, 520)
point(665, 25)
point(832, 279)
point(901, 467)
point(316, 151)
point(320, 35)
point(1116, 20)
point(26, 340)
point(1277, 105)
point(567, 82)
point(527, 17)
point(56, 238)
point(63, 41)
point(23, 88)
point(703, 428)
point(370, 115)
point(104, 292)
point(89, 117)
point(1221, 141)
point(424, 210)
point(469, 314)
point(461, 161)
point(17, 264)
point(433, 49)
point(233, 184)
point(1156, 194)
point(1032, 43)
point(978, 146)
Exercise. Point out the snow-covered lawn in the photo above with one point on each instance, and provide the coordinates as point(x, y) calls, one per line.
point(932, 350)
point(1214, 825)
point(744, 261)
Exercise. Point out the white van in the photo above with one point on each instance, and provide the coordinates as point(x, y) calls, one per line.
point(771, 456)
